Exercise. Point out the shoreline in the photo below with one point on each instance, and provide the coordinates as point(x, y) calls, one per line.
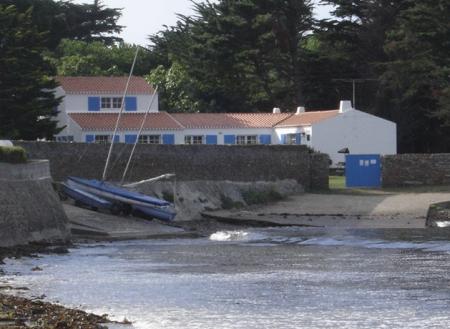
point(309, 211)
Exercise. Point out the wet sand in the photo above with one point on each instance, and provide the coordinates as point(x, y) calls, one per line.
point(371, 210)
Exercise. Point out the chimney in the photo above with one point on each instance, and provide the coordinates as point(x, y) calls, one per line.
point(345, 106)
point(276, 110)
point(300, 110)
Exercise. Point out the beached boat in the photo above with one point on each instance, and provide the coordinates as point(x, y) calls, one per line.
point(99, 194)
point(102, 195)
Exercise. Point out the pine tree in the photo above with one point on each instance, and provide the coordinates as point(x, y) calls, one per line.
point(416, 76)
point(244, 55)
point(27, 100)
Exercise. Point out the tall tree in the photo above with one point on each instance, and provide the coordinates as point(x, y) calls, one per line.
point(243, 55)
point(416, 76)
point(64, 19)
point(353, 42)
point(27, 100)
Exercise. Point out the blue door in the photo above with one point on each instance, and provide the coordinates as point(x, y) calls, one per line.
point(363, 170)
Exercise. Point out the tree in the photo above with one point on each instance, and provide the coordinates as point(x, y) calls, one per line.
point(64, 19)
point(416, 77)
point(242, 55)
point(352, 43)
point(27, 100)
point(81, 58)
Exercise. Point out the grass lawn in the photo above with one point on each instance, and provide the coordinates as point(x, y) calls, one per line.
point(337, 182)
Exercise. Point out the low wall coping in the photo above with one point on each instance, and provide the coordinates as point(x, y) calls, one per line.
point(32, 170)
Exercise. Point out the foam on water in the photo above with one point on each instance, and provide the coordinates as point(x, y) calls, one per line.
point(237, 236)
point(345, 241)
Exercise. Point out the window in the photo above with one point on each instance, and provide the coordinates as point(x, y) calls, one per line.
point(193, 140)
point(291, 139)
point(246, 140)
point(102, 139)
point(116, 102)
point(308, 137)
point(111, 102)
point(149, 139)
point(106, 103)
point(64, 139)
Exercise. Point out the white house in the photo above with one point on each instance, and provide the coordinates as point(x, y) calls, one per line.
point(346, 128)
point(91, 106)
point(100, 95)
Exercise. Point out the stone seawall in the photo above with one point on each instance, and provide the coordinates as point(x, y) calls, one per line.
point(30, 210)
point(189, 162)
point(416, 169)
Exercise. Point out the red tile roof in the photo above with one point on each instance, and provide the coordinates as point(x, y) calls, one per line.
point(229, 120)
point(129, 121)
point(104, 85)
point(166, 121)
point(307, 118)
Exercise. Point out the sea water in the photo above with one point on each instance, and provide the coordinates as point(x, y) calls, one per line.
point(256, 278)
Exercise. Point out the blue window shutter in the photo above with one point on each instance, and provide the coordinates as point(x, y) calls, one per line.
point(116, 138)
point(229, 139)
point(168, 139)
point(130, 139)
point(131, 104)
point(283, 139)
point(265, 139)
point(298, 139)
point(90, 138)
point(93, 104)
point(211, 139)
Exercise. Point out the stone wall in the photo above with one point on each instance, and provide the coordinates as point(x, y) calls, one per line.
point(189, 162)
point(416, 169)
point(320, 164)
point(30, 210)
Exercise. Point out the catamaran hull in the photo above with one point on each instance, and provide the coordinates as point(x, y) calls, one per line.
point(85, 198)
point(90, 195)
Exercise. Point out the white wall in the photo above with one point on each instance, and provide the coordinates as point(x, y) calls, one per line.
point(279, 132)
point(362, 133)
point(79, 103)
point(179, 134)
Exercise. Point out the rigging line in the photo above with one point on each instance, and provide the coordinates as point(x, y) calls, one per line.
point(120, 114)
point(138, 135)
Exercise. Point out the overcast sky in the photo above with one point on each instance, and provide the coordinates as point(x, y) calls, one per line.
point(141, 18)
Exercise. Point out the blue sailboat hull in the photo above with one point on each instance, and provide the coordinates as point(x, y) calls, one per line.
point(100, 194)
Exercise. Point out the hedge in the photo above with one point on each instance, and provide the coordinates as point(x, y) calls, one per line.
point(12, 154)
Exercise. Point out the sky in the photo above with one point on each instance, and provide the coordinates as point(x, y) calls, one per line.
point(141, 18)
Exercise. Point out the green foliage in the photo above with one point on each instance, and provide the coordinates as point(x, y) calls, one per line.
point(416, 76)
point(81, 58)
point(228, 203)
point(27, 99)
point(177, 87)
point(64, 19)
point(239, 56)
point(168, 196)
point(252, 197)
point(402, 47)
point(12, 154)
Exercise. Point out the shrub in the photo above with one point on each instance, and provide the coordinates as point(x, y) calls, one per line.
point(228, 203)
point(261, 197)
point(12, 154)
point(168, 196)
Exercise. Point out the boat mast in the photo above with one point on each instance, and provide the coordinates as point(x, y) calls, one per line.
point(120, 115)
point(139, 134)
